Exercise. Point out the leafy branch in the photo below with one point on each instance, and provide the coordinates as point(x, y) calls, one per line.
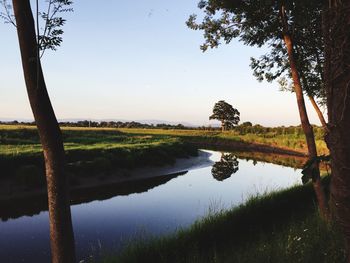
point(50, 36)
point(7, 15)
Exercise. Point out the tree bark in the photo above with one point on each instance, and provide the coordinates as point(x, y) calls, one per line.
point(222, 126)
point(319, 113)
point(61, 230)
point(305, 123)
point(337, 76)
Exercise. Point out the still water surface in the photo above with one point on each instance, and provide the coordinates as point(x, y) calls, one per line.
point(106, 225)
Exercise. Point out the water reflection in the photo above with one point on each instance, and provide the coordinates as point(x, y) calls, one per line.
point(12, 207)
point(224, 168)
point(156, 206)
point(30, 206)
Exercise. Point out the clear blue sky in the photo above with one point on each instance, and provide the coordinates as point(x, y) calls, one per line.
point(137, 60)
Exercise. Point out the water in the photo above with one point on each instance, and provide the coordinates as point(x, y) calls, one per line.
point(107, 224)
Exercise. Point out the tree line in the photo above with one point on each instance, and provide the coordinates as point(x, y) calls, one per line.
point(242, 129)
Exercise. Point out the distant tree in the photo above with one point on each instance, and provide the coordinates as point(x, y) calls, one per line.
point(32, 46)
point(225, 113)
point(247, 124)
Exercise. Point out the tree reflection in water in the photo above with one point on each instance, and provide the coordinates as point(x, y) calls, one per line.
point(224, 168)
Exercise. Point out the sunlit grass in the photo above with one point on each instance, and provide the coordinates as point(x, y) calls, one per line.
point(288, 141)
point(16, 140)
point(24, 138)
point(89, 151)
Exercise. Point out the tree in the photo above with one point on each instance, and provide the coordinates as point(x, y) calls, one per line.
point(225, 113)
point(337, 76)
point(32, 47)
point(271, 23)
point(247, 124)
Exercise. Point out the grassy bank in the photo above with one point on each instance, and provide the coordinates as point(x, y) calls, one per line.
point(97, 151)
point(278, 227)
point(288, 141)
point(89, 152)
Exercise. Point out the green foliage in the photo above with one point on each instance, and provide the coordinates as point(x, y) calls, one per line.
point(225, 113)
point(51, 35)
point(258, 23)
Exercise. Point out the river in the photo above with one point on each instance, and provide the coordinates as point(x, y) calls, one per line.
point(158, 209)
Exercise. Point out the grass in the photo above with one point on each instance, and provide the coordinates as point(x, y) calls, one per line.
point(282, 226)
point(98, 150)
point(287, 141)
point(23, 139)
point(89, 152)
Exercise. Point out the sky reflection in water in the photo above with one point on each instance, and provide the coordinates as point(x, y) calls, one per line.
point(109, 223)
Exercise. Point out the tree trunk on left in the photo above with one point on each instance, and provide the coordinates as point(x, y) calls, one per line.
point(61, 230)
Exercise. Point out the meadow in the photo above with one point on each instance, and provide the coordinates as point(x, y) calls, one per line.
point(285, 138)
point(89, 152)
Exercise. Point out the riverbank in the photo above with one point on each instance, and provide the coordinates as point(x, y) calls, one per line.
point(97, 152)
point(16, 202)
point(90, 153)
point(288, 229)
point(270, 141)
point(96, 155)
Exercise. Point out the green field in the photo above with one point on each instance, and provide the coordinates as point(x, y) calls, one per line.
point(98, 151)
point(24, 139)
point(294, 140)
point(89, 152)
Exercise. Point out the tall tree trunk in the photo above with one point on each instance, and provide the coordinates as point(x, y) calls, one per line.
point(222, 126)
point(319, 113)
point(311, 98)
point(337, 75)
point(61, 230)
point(305, 123)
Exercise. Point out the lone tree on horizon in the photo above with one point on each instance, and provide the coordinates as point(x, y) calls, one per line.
point(225, 113)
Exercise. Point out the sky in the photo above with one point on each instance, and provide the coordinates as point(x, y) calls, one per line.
point(137, 60)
